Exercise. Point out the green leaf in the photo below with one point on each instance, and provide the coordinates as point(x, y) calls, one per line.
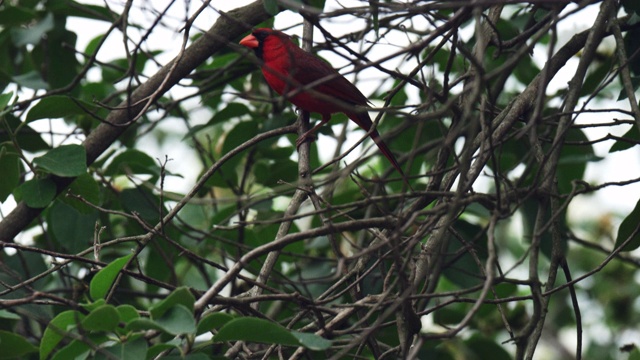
point(575, 154)
point(177, 320)
point(629, 228)
point(33, 34)
point(242, 132)
point(36, 193)
point(263, 331)
point(54, 333)
point(213, 321)
point(75, 350)
point(5, 99)
point(75, 9)
point(256, 330)
point(59, 106)
point(127, 313)
point(11, 168)
point(104, 318)
point(65, 160)
point(632, 45)
point(132, 162)
point(180, 296)
point(4, 314)
point(461, 266)
point(484, 347)
point(86, 187)
point(26, 137)
point(631, 6)
point(142, 201)
point(312, 341)
point(132, 349)
point(634, 138)
point(270, 174)
point(11, 16)
point(72, 229)
point(142, 324)
point(271, 6)
point(32, 80)
point(14, 345)
point(102, 281)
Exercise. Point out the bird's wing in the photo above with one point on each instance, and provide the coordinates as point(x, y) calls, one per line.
point(310, 69)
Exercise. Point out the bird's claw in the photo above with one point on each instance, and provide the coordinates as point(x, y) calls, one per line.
point(303, 138)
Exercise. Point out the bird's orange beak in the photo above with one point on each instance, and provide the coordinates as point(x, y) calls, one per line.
point(249, 41)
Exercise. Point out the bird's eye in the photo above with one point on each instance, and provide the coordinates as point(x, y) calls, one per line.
point(260, 35)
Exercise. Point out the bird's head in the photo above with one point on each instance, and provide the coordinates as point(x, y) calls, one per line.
point(262, 38)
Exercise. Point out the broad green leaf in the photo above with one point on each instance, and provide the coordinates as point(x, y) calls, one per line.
point(65, 160)
point(4, 314)
point(312, 341)
point(27, 138)
point(142, 201)
point(255, 330)
point(86, 187)
point(102, 281)
point(73, 230)
point(75, 350)
point(631, 6)
point(32, 80)
point(5, 99)
point(530, 208)
point(11, 16)
point(634, 137)
point(177, 320)
point(36, 193)
point(180, 296)
point(264, 331)
point(133, 349)
point(629, 228)
point(484, 347)
point(77, 9)
point(596, 76)
point(61, 60)
point(242, 132)
point(142, 324)
point(574, 156)
point(632, 45)
point(104, 318)
point(132, 162)
point(54, 333)
point(90, 306)
point(156, 349)
point(460, 264)
point(14, 345)
point(33, 34)
point(213, 321)
point(127, 313)
point(59, 106)
point(271, 6)
point(11, 168)
point(270, 174)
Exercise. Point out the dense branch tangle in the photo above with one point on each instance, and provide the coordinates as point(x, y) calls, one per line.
point(347, 252)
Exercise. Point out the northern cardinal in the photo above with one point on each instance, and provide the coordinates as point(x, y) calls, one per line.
point(311, 84)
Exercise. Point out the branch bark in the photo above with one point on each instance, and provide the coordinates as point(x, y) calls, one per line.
point(228, 27)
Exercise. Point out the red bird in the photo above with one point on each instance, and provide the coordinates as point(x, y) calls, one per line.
point(310, 84)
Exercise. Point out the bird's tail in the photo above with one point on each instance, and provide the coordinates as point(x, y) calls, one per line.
point(364, 121)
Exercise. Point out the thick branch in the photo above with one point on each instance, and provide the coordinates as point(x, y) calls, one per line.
point(229, 26)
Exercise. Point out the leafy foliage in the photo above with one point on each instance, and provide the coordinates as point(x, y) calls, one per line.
point(159, 208)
